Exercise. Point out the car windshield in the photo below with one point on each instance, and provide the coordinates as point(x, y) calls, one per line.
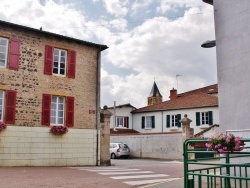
point(123, 145)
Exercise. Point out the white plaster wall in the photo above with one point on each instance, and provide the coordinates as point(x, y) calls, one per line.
point(160, 146)
point(232, 31)
point(36, 146)
point(124, 111)
point(160, 119)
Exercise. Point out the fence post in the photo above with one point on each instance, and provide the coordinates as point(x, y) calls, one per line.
point(105, 136)
point(186, 132)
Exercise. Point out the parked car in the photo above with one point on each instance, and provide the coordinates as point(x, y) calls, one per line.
point(119, 150)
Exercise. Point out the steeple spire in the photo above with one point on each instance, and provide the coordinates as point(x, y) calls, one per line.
point(155, 96)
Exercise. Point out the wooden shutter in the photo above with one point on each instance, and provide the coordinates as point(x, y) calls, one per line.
point(127, 122)
point(125, 119)
point(14, 54)
point(143, 122)
point(71, 64)
point(46, 106)
point(198, 121)
point(70, 111)
point(168, 121)
point(49, 58)
point(210, 117)
point(10, 107)
point(179, 119)
point(153, 121)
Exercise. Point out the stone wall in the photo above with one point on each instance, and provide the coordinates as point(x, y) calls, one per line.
point(27, 142)
point(30, 82)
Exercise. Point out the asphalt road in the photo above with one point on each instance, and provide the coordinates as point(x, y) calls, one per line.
point(123, 173)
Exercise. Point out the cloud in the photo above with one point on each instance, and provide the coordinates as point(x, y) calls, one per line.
point(116, 7)
point(163, 48)
point(53, 17)
point(167, 5)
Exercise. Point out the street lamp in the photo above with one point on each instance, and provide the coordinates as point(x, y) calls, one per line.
point(209, 44)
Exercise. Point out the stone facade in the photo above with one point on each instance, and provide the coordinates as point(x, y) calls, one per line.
point(30, 82)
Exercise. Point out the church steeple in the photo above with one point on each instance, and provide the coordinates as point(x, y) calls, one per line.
point(155, 96)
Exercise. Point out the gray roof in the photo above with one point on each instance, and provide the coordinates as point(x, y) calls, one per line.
point(155, 91)
point(100, 46)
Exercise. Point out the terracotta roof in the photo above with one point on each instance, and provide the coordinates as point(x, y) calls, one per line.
point(202, 97)
point(123, 131)
point(123, 105)
point(204, 131)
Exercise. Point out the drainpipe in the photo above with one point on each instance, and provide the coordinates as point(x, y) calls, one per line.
point(161, 121)
point(97, 102)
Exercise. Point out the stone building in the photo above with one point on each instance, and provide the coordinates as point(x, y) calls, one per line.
point(48, 80)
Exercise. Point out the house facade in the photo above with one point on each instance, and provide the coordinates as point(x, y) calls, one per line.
point(121, 116)
point(201, 106)
point(48, 80)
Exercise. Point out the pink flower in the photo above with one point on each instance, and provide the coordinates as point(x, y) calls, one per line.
point(228, 139)
point(208, 145)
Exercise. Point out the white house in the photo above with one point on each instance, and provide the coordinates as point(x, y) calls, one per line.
point(201, 106)
point(122, 117)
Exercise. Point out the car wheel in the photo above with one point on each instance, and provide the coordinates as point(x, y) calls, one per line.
point(113, 156)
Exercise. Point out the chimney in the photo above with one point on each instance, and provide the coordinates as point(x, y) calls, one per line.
point(173, 94)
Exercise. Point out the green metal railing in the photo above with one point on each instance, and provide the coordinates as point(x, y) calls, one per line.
point(228, 170)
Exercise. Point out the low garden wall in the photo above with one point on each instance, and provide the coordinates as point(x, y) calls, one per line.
point(158, 146)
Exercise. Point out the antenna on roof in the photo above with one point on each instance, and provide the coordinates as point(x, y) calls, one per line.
point(177, 75)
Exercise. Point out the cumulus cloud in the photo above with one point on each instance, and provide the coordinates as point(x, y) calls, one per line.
point(58, 18)
point(116, 7)
point(167, 5)
point(163, 48)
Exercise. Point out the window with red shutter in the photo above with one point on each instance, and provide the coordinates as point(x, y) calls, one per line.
point(10, 107)
point(71, 64)
point(14, 54)
point(46, 104)
point(70, 112)
point(48, 59)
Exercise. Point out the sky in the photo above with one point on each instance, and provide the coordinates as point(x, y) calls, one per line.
point(148, 40)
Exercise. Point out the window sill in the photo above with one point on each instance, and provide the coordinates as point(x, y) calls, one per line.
point(204, 126)
point(174, 128)
point(148, 129)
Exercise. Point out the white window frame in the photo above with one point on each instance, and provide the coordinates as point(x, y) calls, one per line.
point(59, 62)
point(148, 122)
point(4, 52)
point(56, 114)
point(174, 121)
point(204, 116)
point(120, 121)
point(2, 98)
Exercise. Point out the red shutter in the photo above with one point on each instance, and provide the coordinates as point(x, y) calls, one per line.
point(48, 64)
point(71, 64)
point(10, 107)
point(46, 104)
point(14, 54)
point(70, 111)
point(125, 121)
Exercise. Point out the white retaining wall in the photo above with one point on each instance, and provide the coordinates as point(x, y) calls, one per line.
point(159, 146)
point(36, 146)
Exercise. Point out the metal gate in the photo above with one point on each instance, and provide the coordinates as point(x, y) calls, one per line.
point(229, 170)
